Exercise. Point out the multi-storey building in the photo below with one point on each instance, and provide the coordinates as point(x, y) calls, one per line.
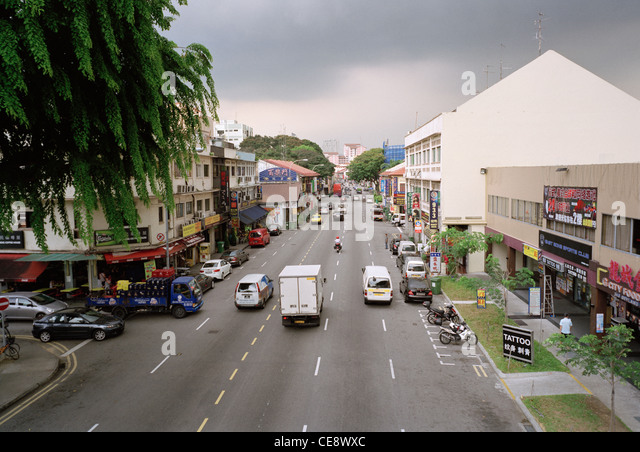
point(550, 112)
point(351, 151)
point(200, 221)
point(233, 132)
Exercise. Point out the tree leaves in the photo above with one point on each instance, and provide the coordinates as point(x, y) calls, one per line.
point(82, 109)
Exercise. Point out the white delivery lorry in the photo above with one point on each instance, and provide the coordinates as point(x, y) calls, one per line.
point(301, 294)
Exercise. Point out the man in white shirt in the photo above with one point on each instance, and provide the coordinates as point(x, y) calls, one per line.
point(565, 325)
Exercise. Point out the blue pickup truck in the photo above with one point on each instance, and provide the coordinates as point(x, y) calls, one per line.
point(179, 296)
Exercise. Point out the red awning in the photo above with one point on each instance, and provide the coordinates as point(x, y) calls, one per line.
point(143, 255)
point(12, 270)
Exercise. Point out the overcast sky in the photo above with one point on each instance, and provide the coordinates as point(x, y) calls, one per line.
point(366, 71)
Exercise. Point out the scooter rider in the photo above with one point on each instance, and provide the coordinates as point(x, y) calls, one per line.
point(338, 244)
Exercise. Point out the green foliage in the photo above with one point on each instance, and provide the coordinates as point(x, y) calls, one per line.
point(456, 244)
point(601, 356)
point(284, 147)
point(366, 167)
point(84, 107)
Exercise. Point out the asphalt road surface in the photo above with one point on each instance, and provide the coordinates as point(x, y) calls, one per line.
point(366, 368)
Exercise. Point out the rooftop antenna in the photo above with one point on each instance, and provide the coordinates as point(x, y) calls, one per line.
point(502, 46)
point(487, 71)
point(538, 22)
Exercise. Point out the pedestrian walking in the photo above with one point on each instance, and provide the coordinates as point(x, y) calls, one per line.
point(386, 241)
point(565, 325)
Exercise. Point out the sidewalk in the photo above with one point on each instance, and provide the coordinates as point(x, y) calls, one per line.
point(627, 396)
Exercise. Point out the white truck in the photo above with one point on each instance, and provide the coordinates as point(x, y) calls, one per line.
point(301, 294)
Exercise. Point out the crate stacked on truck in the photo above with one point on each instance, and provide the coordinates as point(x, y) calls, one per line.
point(163, 292)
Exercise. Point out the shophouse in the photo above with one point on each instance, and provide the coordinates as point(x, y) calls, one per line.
point(287, 190)
point(577, 227)
point(393, 189)
point(187, 236)
point(551, 112)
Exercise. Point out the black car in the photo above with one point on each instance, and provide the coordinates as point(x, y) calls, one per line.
point(416, 289)
point(274, 229)
point(205, 282)
point(235, 257)
point(77, 323)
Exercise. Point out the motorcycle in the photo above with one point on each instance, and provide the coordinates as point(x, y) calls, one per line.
point(437, 316)
point(337, 247)
point(457, 332)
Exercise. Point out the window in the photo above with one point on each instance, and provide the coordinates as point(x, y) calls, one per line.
point(180, 210)
point(160, 214)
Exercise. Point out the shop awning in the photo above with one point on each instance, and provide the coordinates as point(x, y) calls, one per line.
point(58, 257)
point(143, 255)
point(193, 240)
point(11, 270)
point(252, 214)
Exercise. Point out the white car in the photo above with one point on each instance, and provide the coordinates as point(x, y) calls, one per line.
point(216, 268)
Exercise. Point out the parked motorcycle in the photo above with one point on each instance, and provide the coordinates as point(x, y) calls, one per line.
point(437, 316)
point(457, 332)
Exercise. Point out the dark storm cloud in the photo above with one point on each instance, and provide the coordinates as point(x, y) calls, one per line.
point(304, 50)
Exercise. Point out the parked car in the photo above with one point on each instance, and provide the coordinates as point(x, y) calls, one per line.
point(205, 282)
point(416, 289)
point(77, 323)
point(216, 268)
point(235, 257)
point(253, 291)
point(274, 229)
point(414, 267)
point(259, 237)
point(402, 259)
point(31, 305)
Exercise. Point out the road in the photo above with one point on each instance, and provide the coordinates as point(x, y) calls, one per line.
point(366, 368)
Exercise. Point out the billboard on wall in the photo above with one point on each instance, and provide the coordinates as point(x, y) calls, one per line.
point(571, 205)
point(278, 175)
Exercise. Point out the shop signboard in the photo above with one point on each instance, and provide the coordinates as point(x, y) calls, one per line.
point(571, 250)
point(534, 300)
point(278, 175)
point(481, 299)
point(517, 343)
point(619, 280)
point(571, 205)
point(12, 240)
point(435, 260)
point(105, 237)
point(433, 210)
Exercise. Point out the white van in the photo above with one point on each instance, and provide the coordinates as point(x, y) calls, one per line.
point(253, 291)
point(376, 285)
point(414, 267)
point(407, 247)
point(398, 219)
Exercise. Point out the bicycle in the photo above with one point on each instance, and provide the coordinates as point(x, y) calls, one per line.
point(11, 348)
